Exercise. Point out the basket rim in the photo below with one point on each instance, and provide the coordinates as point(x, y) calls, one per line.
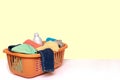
point(30, 55)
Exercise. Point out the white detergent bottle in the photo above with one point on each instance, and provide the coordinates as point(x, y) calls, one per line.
point(37, 39)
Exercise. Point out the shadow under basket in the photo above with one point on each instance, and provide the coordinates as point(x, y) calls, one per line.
point(29, 65)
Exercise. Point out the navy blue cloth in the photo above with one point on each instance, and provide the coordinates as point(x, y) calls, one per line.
point(11, 46)
point(47, 58)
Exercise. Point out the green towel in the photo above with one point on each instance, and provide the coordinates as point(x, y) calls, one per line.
point(24, 48)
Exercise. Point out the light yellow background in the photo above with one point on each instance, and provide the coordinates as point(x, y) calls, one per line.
point(91, 28)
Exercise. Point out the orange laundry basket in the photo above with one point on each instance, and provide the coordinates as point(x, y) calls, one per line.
point(29, 65)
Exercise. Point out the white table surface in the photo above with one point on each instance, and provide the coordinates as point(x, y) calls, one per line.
point(72, 70)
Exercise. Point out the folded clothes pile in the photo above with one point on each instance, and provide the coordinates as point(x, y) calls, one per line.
point(37, 46)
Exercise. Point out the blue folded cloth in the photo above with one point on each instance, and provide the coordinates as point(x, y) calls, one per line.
point(50, 39)
point(47, 58)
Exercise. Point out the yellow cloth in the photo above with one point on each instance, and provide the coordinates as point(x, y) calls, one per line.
point(50, 44)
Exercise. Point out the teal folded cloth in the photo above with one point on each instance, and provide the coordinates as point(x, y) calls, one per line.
point(50, 39)
point(12, 46)
point(47, 58)
point(24, 48)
